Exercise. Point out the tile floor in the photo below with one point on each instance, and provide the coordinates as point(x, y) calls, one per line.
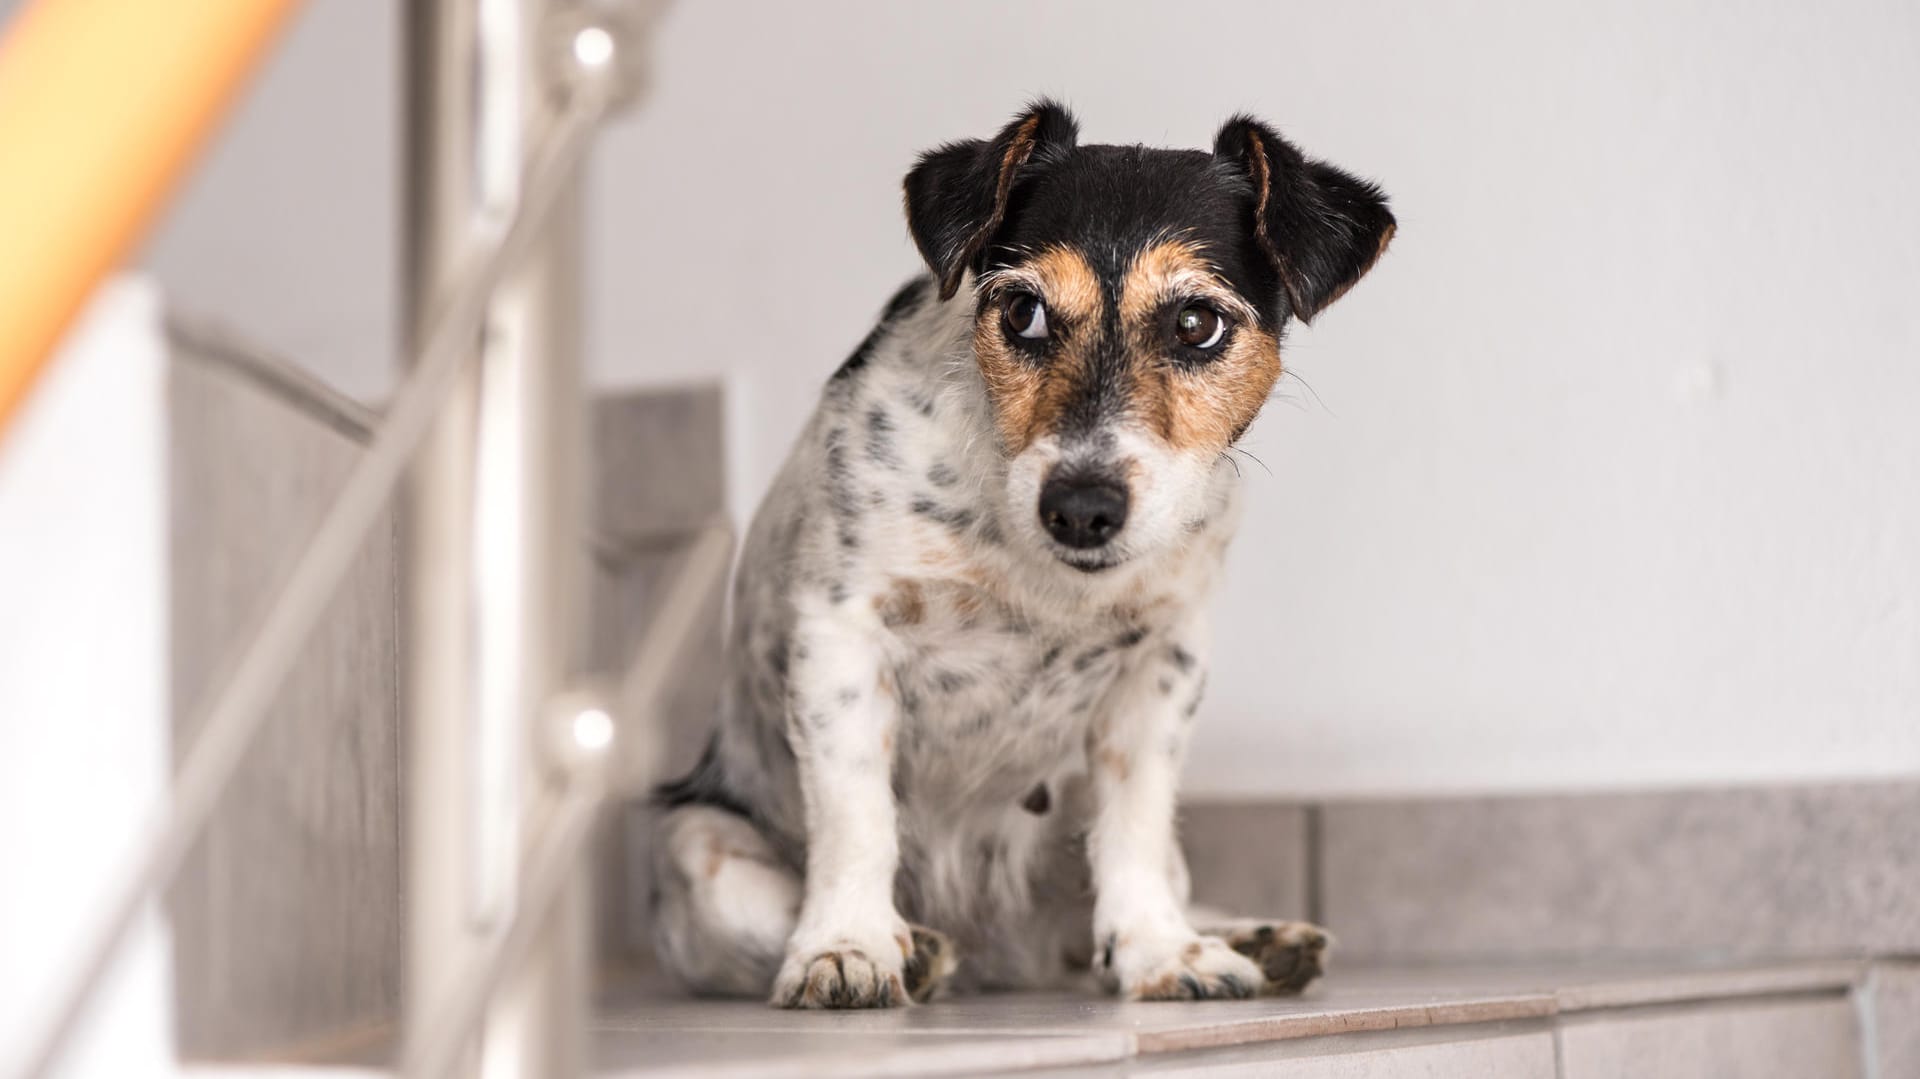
point(1787, 1021)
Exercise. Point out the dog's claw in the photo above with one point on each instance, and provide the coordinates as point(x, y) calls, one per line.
point(839, 979)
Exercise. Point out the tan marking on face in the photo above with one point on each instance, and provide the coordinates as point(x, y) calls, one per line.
point(1117, 764)
point(1173, 269)
point(1192, 408)
point(1196, 408)
point(1028, 397)
point(901, 605)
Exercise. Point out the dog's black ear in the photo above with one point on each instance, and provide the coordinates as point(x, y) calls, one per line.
point(957, 195)
point(1322, 228)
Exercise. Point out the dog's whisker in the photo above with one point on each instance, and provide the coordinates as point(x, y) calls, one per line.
point(1251, 457)
point(1288, 372)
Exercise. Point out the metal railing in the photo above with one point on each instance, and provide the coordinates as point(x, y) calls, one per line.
point(510, 752)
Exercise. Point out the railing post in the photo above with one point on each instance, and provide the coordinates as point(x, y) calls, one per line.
point(494, 540)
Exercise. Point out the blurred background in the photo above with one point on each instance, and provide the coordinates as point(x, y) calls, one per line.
point(1605, 477)
point(1572, 621)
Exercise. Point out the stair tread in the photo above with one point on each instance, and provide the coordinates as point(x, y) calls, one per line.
point(646, 1028)
point(633, 1026)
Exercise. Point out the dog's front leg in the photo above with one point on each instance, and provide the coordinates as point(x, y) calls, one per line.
point(849, 947)
point(1143, 946)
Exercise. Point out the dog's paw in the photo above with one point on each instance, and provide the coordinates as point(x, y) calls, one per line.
point(1178, 967)
point(857, 969)
point(1290, 954)
point(931, 963)
point(840, 978)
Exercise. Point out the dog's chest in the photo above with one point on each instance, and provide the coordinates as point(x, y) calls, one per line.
point(996, 701)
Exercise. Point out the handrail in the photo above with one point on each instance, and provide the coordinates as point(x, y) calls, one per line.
point(238, 707)
point(103, 103)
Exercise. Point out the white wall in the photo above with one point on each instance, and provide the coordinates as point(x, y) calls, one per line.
point(1609, 478)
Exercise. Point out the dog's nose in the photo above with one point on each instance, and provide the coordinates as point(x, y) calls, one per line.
point(1083, 511)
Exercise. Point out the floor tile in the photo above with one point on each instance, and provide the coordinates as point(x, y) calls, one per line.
point(715, 1054)
point(1780, 871)
point(1811, 1038)
point(1484, 1053)
point(1359, 1004)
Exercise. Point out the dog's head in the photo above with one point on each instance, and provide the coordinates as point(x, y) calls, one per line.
point(1128, 308)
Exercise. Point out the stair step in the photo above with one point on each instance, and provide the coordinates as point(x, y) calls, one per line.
point(1789, 1019)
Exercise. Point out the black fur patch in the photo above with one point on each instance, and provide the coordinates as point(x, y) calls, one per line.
point(955, 518)
point(1038, 800)
point(952, 681)
point(842, 499)
point(1192, 707)
point(880, 438)
point(1090, 657)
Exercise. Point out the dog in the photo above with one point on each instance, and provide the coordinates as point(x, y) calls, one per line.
point(967, 644)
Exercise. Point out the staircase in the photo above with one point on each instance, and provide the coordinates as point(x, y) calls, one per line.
point(1460, 957)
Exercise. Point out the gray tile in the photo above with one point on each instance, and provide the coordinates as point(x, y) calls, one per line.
point(1519, 1050)
point(624, 600)
point(1592, 985)
point(627, 592)
point(1580, 991)
point(1343, 1006)
point(659, 476)
point(710, 1054)
point(1248, 858)
point(1790, 871)
point(1894, 1015)
point(286, 917)
point(1481, 1021)
point(660, 461)
point(1805, 1038)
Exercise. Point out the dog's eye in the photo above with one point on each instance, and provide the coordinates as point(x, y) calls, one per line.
point(1025, 315)
point(1199, 327)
